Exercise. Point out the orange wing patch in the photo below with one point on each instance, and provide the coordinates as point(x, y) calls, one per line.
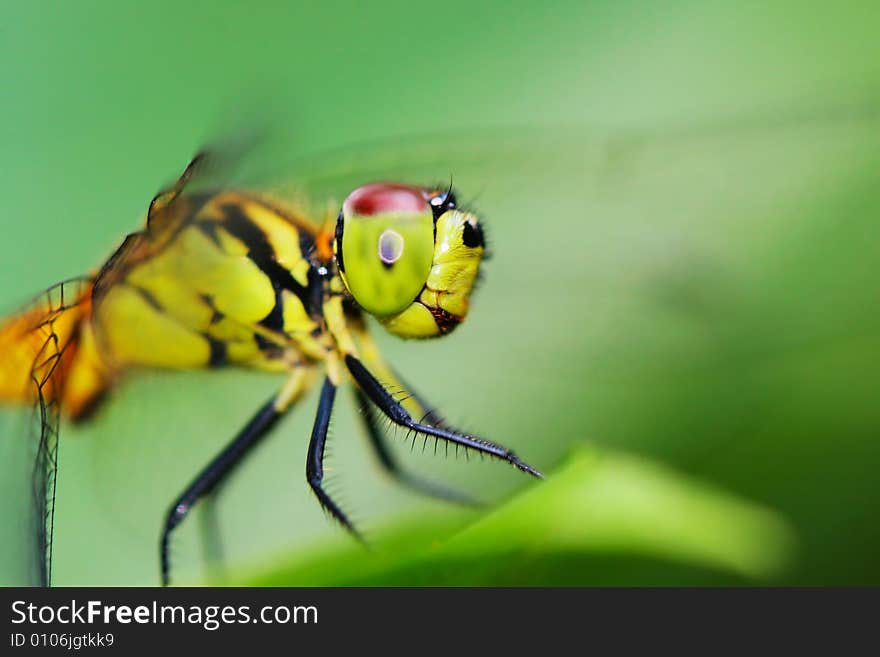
point(55, 327)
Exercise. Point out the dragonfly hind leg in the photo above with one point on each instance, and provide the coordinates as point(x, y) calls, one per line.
point(393, 468)
point(212, 475)
point(221, 467)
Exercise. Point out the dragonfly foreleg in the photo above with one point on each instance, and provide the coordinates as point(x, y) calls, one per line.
point(399, 415)
point(393, 468)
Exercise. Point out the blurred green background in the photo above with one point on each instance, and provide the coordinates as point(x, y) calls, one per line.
point(679, 323)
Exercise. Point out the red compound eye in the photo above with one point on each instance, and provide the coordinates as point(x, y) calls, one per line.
point(378, 198)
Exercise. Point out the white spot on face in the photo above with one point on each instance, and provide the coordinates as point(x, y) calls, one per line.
point(390, 246)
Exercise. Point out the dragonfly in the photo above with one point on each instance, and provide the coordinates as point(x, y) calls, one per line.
point(573, 200)
point(221, 276)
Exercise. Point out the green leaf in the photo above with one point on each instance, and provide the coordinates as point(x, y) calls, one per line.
point(601, 517)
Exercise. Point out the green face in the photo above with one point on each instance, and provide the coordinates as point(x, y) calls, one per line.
point(385, 245)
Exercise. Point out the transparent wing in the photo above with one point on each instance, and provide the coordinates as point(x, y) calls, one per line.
point(35, 343)
point(215, 167)
point(236, 164)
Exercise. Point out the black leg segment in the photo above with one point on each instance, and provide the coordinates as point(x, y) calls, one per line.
point(399, 415)
point(390, 464)
point(212, 475)
point(315, 458)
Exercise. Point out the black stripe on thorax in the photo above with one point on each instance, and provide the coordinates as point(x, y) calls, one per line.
point(260, 252)
point(218, 351)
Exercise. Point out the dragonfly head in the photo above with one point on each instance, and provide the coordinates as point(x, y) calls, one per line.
point(408, 256)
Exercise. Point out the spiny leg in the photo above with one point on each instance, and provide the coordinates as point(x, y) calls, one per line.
point(207, 481)
point(430, 416)
point(315, 458)
point(390, 464)
point(399, 415)
point(414, 404)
